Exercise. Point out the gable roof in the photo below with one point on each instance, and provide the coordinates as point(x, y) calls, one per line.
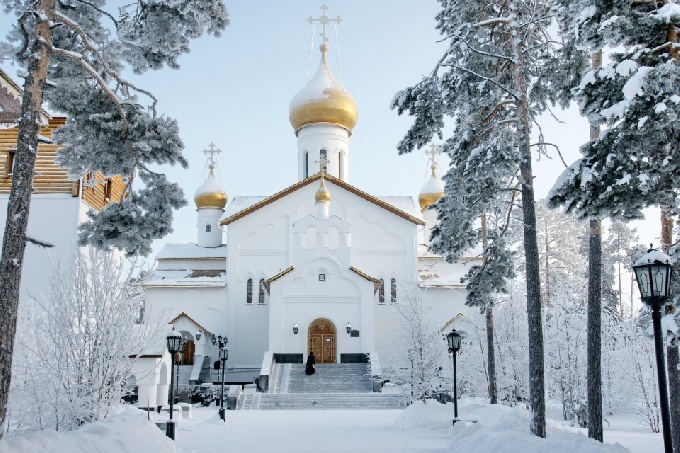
point(338, 182)
point(10, 101)
point(184, 315)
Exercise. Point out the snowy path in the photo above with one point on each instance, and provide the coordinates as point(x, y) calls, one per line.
point(305, 431)
point(346, 431)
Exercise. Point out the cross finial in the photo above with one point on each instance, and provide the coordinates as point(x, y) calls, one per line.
point(323, 163)
point(210, 152)
point(433, 152)
point(324, 20)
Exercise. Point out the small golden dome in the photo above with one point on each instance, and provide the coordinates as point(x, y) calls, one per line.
point(322, 195)
point(323, 100)
point(432, 191)
point(210, 195)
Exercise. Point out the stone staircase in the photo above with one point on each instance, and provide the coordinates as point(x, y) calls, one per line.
point(333, 386)
point(184, 374)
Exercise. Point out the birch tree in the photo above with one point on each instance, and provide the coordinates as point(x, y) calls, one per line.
point(79, 50)
point(499, 72)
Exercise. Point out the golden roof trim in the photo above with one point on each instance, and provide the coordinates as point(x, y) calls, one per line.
point(184, 315)
point(268, 281)
point(338, 182)
point(364, 275)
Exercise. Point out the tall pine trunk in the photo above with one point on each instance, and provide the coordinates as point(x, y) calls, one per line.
point(493, 392)
point(672, 358)
point(594, 331)
point(535, 322)
point(594, 322)
point(14, 241)
point(491, 353)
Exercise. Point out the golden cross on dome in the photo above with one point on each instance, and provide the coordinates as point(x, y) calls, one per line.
point(324, 20)
point(323, 163)
point(210, 152)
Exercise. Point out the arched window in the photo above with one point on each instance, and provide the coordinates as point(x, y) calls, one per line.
point(393, 290)
point(306, 165)
point(341, 170)
point(260, 299)
point(249, 291)
point(381, 292)
point(323, 159)
point(208, 228)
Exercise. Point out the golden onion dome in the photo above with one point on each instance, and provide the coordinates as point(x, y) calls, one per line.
point(210, 194)
point(322, 195)
point(432, 191)
point(323, 100)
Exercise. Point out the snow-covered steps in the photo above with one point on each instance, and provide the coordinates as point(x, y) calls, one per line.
point(325, 401)
point(330, 378)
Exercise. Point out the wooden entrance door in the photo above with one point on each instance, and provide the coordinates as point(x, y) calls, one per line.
point(322, 340)
point(188, 354)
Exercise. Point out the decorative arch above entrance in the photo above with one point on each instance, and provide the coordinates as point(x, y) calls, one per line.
point(321, 339)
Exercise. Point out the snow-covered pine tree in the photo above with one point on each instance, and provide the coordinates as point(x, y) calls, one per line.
point(79, 49)
point(634, 162)
point(498, 73)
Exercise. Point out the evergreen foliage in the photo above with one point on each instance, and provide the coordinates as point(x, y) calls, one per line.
point(634, 163)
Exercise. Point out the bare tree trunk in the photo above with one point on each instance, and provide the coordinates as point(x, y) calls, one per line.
point(14, 241)
point(672, 358)
point(493, 392)
point(594, 322)
point(491, 353)
point(594, 332)
point(535, 321)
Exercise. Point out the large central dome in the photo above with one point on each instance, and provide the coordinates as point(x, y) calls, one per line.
point(323, 100)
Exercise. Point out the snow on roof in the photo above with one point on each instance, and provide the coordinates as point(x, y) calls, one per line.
point(240, 203)
point(188, 277)
point(191, 251)
point(403, 203)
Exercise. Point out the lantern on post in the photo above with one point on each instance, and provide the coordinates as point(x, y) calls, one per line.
point(653, 275)
point(454, 340)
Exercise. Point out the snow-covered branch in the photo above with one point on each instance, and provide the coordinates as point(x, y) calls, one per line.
point(488, 79)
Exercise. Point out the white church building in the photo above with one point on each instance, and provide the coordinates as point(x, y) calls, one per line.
point(318, 266)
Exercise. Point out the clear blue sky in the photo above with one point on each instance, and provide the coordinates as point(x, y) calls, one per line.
point(235, 90)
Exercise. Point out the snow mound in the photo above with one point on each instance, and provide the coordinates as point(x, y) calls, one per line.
point(430, 415)
point(495, 428)
point(502, 429)
point(127, 431)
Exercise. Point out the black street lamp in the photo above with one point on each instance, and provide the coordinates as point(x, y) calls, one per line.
point(454, 339)
point(653, 275)
point(224, 355)
point(174, 341)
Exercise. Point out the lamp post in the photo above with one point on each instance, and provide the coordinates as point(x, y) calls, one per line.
point(174, 341)
point(224, 355)
point(454, 339)
point(653, 275)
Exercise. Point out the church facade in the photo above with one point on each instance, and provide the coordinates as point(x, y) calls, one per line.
point(318, 266)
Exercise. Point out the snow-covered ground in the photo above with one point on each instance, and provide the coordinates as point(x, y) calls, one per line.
point(420, 428)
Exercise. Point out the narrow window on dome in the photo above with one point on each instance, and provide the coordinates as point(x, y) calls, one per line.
point(260, 299)
point(323, 159)
point(381, 292)
point(393, 290)
point(249, 291)
point(306, 165)
point(341, 170)
point(208, 228)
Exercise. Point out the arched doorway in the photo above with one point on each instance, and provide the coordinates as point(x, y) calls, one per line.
point(321, 339)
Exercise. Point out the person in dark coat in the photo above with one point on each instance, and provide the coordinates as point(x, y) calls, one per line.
point(311, 361)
